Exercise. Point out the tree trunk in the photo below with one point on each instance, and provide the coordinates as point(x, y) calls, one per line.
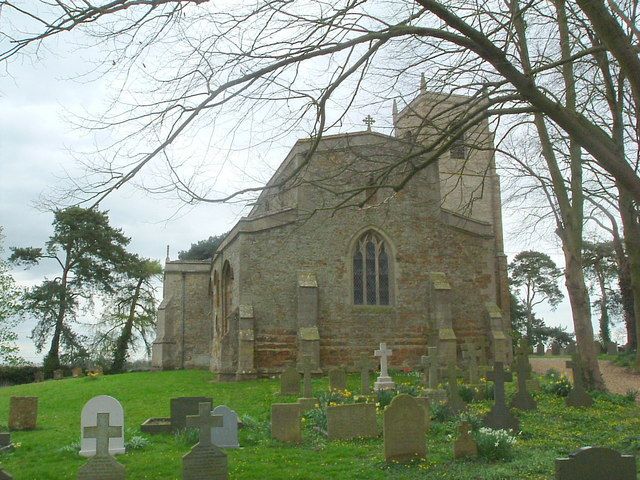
point(122, 344)
point(605, 333)
point(52, 359)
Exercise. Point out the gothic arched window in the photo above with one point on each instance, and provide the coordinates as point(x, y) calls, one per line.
point(371, 271)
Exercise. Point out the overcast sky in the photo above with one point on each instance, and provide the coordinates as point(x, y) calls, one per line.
point(35, 144)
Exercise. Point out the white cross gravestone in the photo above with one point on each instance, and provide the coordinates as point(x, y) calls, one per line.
point(225, 436)
point(384, 381)
point(89, 418)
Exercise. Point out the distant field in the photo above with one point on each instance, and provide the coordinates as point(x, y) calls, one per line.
point(551, 431)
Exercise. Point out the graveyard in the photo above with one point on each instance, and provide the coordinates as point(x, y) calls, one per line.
point(551, 430)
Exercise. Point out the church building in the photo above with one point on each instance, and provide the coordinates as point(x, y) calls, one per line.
point(358, 238)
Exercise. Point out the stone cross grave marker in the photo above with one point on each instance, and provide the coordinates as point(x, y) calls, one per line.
point(307, 388)
point(23, 413)
point(205, 461)
point(384, 381)
point(337, 379)
point(181, 407)
point(365, 365)
point(470, 354)
point(102, 465)
point(578, 396)
point(290, 381)
point(596, 463)
point(523, 399)
point(285, 422)
point(225, 436)
point(500, 418)
point(404, 430)
point(434, 372)
point(465, 445)
point(454, 401)
point(89, 418)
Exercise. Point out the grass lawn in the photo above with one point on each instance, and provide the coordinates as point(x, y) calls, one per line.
point(551, 431)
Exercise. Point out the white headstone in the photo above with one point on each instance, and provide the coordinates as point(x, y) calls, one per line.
point(227, 435)
point(384, 381)
point(89, 418)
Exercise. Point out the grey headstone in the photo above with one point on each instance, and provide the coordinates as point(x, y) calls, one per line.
point(4, 475)
point(225, 436)
point(181, 407)
point(465, 445)
point(58, 374)
point(205, 461)
point(89, 418)
point(286, 422)
point(5, 439)
point(500, 418)
point(337, 379)
point(598, 346)
point(365, 365)
point(470, 355)
point(425, 403)
point(596, 463)
point(290, 381)
point(612, 348)
point(357, 420)
point(454, 401)
point(102, 466)
point(23, 413)
point(578, 396)
point(404, 430)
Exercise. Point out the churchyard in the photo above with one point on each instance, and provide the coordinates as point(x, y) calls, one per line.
point(549, 431)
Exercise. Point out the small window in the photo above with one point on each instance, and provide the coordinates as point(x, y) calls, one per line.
point(458, 149)
point(371, 271)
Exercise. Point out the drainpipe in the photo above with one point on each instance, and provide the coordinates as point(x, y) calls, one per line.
point(183, 306)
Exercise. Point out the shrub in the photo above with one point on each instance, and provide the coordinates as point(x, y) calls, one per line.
point(474, 420)
point(317, 417)
point(384, 398)
point(136, 442)
point(494, 445)
point(187, 436)
point(556, 384)
point(467, 392)
point(440, 412)
point(254, 431)
point(409, 389)
point(17, 375)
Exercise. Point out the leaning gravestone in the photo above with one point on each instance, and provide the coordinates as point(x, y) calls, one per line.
point(23, 413)
point(523, 399)
point(384, 381)
point(465, 445)
point(290, 381)
point(500, 418)
point(225, 436)
point(357, 420)
point(337, 379)
point(102, 404)
point(181, 407)
point(404, 430)
point(102, 466)
point(596, 463)
point(578, 396)
point(454, 401)
point(365, 365)
point(5, 475)
point(58, 374)
point(205, 461)
point(285, 422)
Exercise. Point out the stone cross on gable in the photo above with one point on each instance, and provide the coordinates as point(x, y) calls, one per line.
point(102, 432)
point(365, 365)
point(307, 388)
point(204, 421)
point(384, 354)
point(368, 120)
point(498, 376)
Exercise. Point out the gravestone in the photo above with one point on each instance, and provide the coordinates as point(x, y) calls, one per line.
point(286, 422)
point(598, 346)
point(38, 376)
point(500, 418)
point(205, 461)
point(58, 374)
point(225, 436)
point(181, 407)
point(290, 381)
point(425, 403)
point(102, 466)
point(454, 401)
point(5, 442)
point(540, 349)
point(384, 381)
point(470, 355)
point(89, 418)
point(307, 401)
point(465, 445)
point(578, 396)
point(365, 365)
point(555, 348)
point(612, 348)
point(596, 463)
point(404, 430)
point(357, 420)
point(432, 361)
point(337, 379)
point(23, 413)
point(4, 475)
point(523, 399)
point(76, 372)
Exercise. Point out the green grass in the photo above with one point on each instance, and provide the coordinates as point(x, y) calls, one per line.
point(550, 432)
